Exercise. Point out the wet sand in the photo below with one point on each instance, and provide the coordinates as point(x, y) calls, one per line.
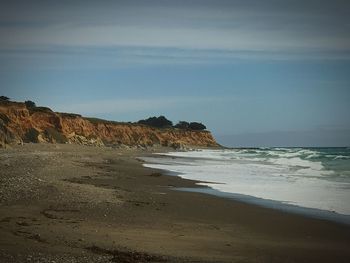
point(69, 203)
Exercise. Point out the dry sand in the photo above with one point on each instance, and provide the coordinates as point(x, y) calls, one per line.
point(69, 203)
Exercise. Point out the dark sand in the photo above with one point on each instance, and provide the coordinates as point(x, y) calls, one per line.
point(69, 203)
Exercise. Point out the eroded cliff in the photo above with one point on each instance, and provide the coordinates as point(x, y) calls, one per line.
point(20, 124)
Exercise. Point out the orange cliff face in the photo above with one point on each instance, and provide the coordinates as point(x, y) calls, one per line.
point(19, 124)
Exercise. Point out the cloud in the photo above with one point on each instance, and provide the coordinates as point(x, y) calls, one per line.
point(104, 58)
point(243, 29)
point(227, 39)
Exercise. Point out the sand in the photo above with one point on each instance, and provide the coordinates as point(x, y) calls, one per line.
point(70, 203)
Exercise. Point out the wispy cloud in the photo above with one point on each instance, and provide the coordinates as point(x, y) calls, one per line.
point(188, 32)
point(102, 58)
point(228, 39)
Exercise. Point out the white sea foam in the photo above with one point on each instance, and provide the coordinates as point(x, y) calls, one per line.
point(280, 175)
point(341, 157)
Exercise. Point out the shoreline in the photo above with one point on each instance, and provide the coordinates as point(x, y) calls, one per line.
point(308, 212)
point(87, 204)
point(274, 204)
point(211, 172)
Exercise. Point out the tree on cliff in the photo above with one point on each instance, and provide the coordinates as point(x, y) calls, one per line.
point(30, 104)
point(197, 126)
point(184, 125)
point(158, 122)
point(4, 98)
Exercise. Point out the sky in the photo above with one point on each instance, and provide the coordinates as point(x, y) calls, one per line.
point(256, 73)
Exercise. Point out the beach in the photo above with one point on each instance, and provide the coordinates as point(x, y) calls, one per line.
point(73, 203)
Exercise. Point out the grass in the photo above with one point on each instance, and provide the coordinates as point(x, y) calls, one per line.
point(39, 109)
point(97, 121)
point(69, 115)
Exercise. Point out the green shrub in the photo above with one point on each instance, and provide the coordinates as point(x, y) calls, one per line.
point(29, 104)
point(197, 126)
point(31, 135)
point(55, 136)
point(4, 98)
point(182, 125)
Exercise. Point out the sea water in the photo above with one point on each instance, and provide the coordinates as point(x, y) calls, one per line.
point(314, 181)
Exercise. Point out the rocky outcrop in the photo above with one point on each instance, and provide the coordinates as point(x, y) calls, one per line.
point(19, 124)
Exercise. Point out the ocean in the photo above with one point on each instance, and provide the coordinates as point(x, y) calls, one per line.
point(311, 181)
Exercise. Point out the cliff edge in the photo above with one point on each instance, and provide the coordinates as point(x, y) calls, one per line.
point(19, 124)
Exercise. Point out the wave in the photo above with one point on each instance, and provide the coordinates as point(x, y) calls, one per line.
point(293, 176)
point(341, 157)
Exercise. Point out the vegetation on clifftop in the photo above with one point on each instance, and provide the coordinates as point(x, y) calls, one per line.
point(4, 98)
point(162, 122)
point(156, 122)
